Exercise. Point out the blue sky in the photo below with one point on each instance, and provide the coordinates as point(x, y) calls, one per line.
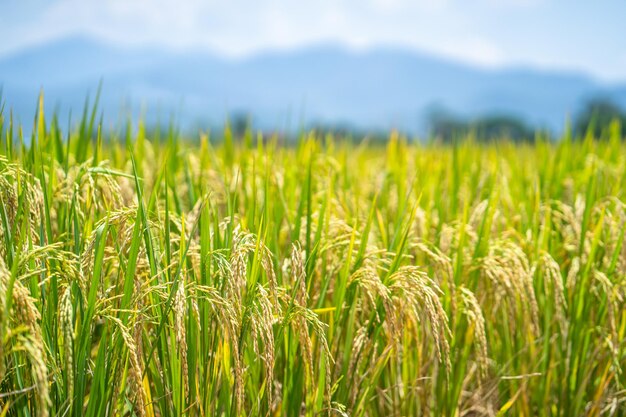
point(580, 35)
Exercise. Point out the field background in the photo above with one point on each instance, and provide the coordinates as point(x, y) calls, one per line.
point(159, 276)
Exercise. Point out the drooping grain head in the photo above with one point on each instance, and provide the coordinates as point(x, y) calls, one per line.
point(472, 310)
point(415, 295)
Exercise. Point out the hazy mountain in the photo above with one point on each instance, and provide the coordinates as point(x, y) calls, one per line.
point(379, 88)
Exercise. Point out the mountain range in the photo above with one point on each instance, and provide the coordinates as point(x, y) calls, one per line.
point(378, 88)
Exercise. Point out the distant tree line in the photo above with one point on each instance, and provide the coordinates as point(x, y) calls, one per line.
point(598, 118)
point(491, 127)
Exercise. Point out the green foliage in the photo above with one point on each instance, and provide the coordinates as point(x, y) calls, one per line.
point(601, 118)
point(168, 277)
point(449, 128)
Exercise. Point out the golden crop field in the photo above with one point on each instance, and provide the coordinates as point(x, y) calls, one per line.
point(246, 276)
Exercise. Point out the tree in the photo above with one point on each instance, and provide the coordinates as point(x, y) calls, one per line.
point(596, 117)
point(486, 128)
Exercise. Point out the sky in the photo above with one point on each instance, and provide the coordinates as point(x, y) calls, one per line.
point(579, 35)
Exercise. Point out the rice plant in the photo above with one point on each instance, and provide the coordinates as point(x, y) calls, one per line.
point(159, 275)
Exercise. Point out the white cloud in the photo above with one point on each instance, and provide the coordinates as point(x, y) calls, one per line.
point(474, 49)
point(481, 32)
point(515, 3)
point(399, 5)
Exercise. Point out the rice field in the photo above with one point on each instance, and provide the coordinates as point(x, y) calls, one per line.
point(246, 276)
